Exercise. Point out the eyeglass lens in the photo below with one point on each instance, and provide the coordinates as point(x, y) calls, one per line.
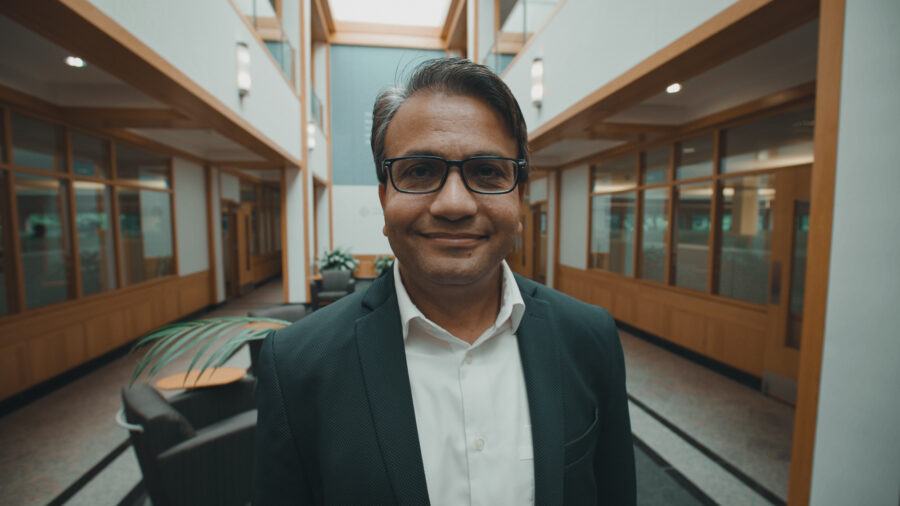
point(426, 174)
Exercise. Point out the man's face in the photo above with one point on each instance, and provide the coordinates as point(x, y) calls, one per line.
point(452, 236)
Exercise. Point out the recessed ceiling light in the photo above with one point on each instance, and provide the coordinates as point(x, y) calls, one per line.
point(673, 88)
point(74, 61)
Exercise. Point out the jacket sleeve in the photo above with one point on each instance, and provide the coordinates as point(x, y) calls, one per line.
point(278, 474)
point(614, 459)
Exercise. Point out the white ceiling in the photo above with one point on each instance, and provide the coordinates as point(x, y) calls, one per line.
point(569, 150)
point(35, 66)
point(204, 143)
point(785, 62)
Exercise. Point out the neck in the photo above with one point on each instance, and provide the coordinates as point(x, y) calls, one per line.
point(465, 311)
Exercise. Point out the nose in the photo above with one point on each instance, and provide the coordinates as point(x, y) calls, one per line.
point(454, 201)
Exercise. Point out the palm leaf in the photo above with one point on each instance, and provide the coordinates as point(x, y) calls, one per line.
point(223, 336)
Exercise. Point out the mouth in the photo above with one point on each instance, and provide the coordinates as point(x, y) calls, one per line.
point(453, 239)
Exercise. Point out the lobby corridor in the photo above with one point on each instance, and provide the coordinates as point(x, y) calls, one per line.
point(700, 438)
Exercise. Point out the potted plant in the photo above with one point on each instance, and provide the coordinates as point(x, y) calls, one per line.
point(338, 259)
point(218, 338)
point(383, 263)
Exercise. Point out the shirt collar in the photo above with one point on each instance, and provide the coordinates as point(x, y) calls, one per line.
point(512, 306)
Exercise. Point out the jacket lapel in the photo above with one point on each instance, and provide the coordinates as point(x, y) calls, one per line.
point(379, 338)
point(543, 381)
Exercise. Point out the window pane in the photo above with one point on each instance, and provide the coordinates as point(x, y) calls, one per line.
point(145, 223)
point(37, 144)
point(614, 175)
point(612, 232)
point(746, 237)
point(777, 141)
point(248, 191)
point(44, 237)
point(4, 220)
point(653, 245)
point(90, 155)
point(695, 158)
point(657, 164)
point(137, 167)
point(692, 208)
point(798, 272)
point(93, 210)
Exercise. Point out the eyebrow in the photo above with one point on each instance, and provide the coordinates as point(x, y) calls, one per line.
point(426, 152)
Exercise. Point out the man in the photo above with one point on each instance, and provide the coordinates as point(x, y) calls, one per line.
point(449, 381)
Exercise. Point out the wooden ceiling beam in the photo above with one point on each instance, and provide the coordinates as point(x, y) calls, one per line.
point(453, 33)
point(322, 23)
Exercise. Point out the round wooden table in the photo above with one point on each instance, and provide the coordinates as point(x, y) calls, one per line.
point(211, 377)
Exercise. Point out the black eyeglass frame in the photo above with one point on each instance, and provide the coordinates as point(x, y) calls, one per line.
point(519, 164)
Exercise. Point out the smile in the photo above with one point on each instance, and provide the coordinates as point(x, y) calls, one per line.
point(448, 239)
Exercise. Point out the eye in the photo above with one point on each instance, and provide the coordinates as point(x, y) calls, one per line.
point(420, 171)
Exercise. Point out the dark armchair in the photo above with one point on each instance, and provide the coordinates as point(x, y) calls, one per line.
point(197, 447)
point(286, 312)
point(333, 285)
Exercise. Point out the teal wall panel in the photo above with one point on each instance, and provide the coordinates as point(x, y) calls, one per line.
point(358, 74)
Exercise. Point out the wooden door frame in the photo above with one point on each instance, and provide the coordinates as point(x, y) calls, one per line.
point(828, 101)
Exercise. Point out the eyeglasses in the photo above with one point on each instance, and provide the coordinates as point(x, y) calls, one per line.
point(427, 174)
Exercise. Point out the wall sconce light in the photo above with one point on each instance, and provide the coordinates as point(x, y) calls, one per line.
point(75, 61)
point(242, 54)
point(311, 136)
point(537, 82)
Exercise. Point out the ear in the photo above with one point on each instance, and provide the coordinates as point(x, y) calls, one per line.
point(382, 190)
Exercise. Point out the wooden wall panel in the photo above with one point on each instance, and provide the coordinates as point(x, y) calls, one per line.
point(45, 342)
point(12, 374)
point(736, 344)
point(49, 354)
point(601, 295)
point(266, 266)
point(103, 332)
point(688, 330)
point(731, 332)
point(193, 293)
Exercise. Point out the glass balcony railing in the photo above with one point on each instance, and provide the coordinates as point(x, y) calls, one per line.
point(518, 22)
point(266, 20)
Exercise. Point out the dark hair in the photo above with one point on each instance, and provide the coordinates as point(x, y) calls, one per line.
point(457, 76)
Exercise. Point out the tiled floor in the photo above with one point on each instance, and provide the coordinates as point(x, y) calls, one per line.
point(47, 445)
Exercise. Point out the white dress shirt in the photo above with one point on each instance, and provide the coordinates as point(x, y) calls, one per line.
point(471, 405)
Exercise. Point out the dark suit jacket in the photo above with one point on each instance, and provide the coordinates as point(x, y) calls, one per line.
point(337, 426)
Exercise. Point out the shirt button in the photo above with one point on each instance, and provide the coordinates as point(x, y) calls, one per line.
point(468, 358)
point(479, 444)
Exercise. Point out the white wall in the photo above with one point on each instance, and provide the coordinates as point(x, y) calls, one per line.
point(293, 241)
point(231, 187)
point(551, 228)
point(190, 213)
point(199, 38)
point(359, 220)
point(573, 215)
point(485, 28)
point(586, 45)
point(857, 450)
point(322, 219)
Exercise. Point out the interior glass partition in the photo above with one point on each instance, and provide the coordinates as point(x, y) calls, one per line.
point(747, 225)
point(515, 21)
point(44, 238)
